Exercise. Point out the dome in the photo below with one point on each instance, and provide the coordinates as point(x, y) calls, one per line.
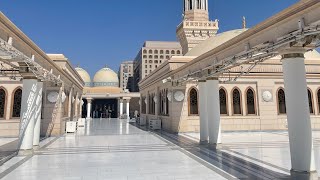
point(84, 75)
point(214, 42)
point(106, 77)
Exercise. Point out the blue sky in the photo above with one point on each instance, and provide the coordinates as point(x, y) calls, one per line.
point(93, 33)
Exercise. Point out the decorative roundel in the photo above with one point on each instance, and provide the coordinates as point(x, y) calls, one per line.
point(53, 97)
point(155, 99)
point(179, 96)
point(146, 101)
point(169, 96)
point(267, 96)
point(63, 97)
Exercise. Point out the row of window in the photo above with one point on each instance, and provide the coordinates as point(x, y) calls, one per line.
point(161, 52)
point(250, 99)
point(199, 4)
point(282, 101)
point(156, 57)
point(16, 102)
point(151, 62)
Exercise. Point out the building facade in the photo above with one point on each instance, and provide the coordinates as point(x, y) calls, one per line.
point(248, 101)
point(151, 56)
point(126, 76)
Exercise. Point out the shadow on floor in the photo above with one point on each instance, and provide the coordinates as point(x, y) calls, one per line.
point(7, 151)
point(223, 163)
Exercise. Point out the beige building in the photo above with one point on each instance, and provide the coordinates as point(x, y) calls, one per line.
point(151, 56)
point(23, 63)
point(249, 102)
point(103, 98)
point(126, 76)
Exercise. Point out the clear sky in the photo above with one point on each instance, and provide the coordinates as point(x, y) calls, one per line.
point(92, 33)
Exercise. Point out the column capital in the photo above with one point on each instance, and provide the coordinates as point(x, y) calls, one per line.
point(212, 78)
point(89, 100)
point(292, 52)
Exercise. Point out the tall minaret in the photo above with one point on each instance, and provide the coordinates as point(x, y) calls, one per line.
point(195, 26)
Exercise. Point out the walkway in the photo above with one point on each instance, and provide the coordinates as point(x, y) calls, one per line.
point(114, 149)
point(108, 149)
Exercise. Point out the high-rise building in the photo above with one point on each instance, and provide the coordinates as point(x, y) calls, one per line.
point(196, 26)
point(126, 75)
point(152, 55)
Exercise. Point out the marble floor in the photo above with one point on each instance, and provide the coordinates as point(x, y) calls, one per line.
point(108, 149)
point(115, 149)
point(268, 149)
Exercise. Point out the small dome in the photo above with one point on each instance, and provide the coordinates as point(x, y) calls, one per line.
point(106, 77)
point(84, 75)
point(214, 42)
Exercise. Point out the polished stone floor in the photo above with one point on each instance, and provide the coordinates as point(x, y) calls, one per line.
point(115, 149)
point(108, 149)
point(268, 149)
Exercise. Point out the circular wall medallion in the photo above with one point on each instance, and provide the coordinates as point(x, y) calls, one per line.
point(179, 96)
point(169, 96)
point(155, 99)
point(53, 97)
point(63, 97)
point(267, 96)
point(146, 101)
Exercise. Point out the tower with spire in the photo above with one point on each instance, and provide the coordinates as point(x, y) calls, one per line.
point(195, 26)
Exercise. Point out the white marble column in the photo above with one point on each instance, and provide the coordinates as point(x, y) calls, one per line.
point(128, 108)
point(37, 126)
point(121, 107)
point(30, 95)
point(89, 106)
point(203, 112)
point(213, 111)
point(297, 104)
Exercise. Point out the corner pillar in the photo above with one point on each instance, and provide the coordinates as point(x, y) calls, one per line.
point(29, 115)
point(204, 136)
point(89, 106)
point(213, 111)
point(297, 105)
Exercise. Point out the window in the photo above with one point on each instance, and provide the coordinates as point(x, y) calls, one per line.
point(161, 51)
point(17, 103)
point(190, 4)
point(150, 66)
point(156, 57)
point(193, 102)
point(144, 51)
point(156, 51)
point(310, 101)
point(145, 56)
point(146, 71)
point(156, 66)
point(146, 66)
point(160, 61)
point(168, 57)
point(161, 57)
point(282, 102)
point(146, 61)
point(236, 101)
point(150, 51)
point(178, 52)
point(2, 102)
point(173, 52)
point(318, 94)
point(250, 102)
point(223, 102)
point(167, 52)
point(150, 57)
point(150, 61)
point(156, 61)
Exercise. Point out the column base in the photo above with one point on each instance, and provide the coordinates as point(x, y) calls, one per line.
point(25, 152)
point(36, 147)
point(303, 175)
point(203, 142)
point(214, 146)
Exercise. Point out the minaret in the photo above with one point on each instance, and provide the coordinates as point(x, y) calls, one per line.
point(195, 26)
